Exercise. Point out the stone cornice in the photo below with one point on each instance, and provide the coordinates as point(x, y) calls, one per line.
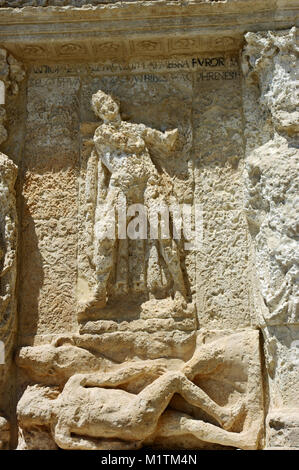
point(60, 33)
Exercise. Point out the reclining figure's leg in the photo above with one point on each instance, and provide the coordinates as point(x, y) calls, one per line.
point(173, 423)
point(158, 394)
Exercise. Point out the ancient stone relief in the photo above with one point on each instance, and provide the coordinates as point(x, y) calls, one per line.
point(122, 151)
point(129, 341)
point(144, 274)
point(137, 352)
point(130, 285)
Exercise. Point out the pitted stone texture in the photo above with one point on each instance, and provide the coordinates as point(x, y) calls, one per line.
point(272, 169)
point(123, 158)
point(4, 433)
point(271, 200)
point(180, 133)
point(49, 212)
point(283, 429)
point(223, 296)
point(282, 359)
point(8, 274)
point(272, 184)
point(11, 74)
point(271, 60)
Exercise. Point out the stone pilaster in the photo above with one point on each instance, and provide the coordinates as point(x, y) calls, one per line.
point(271, 169)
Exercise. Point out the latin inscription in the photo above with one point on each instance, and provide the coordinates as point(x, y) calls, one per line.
point(221, 68)
point(208, 62)
point(225, 75)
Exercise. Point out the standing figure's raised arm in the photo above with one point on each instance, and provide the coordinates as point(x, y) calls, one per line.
point(163, 141)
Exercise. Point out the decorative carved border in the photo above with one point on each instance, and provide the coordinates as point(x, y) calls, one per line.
point(146, 29)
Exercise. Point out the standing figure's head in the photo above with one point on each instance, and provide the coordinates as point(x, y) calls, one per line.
point(105, 107)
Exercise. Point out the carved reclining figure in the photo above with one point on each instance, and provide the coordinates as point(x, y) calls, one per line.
point(94, 411)
point(90, 405)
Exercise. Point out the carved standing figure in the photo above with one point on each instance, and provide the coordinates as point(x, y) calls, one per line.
point(126, 170)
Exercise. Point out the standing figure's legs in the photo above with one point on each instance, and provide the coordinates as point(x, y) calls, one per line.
point(104, 245)
point(171, 257)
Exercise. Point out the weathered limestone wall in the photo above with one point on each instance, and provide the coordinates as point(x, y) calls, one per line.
point(270, 61)
point(11, 74)
point(198, 347)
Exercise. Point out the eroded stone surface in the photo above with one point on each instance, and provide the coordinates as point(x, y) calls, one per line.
point(148, 328)
point(11, 74)
point(8, 274)
point(272, 163)
point(4, 434)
